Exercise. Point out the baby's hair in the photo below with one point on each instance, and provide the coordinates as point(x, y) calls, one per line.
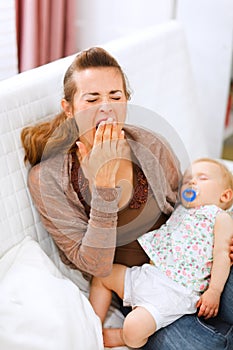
point(227, 174)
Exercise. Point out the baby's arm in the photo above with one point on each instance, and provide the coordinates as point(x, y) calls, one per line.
point(223, 232)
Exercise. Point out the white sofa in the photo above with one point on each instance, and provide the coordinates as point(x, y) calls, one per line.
point(40, 307)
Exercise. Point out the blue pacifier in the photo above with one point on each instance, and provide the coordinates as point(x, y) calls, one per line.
point(189, 194)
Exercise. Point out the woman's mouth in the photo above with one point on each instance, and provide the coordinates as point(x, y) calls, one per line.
point(98, 123)
point(103, 120)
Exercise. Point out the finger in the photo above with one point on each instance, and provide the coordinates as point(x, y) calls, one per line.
point(206, 312)
point(210, 314)
point(202, 310)
point(99, 134)
point(215, 312)
point(200, 313)
point(122, 135)
point(81, 151)
point(114, 131)
point(107, 135)
point(198, 304)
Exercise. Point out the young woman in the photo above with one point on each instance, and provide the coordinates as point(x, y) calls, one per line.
point(97, 183)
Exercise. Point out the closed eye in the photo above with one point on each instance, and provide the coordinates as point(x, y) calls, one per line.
point(92, 100)
point(203, 177)
point(115, 95)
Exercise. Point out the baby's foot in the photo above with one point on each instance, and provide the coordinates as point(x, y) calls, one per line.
point(113, 337)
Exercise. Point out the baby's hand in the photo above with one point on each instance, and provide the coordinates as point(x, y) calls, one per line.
point(208, 303)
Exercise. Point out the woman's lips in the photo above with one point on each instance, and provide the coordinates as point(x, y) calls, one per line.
point(98, 123)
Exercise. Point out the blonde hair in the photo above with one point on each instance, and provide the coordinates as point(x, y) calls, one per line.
point(47, 138)
point(226, 173)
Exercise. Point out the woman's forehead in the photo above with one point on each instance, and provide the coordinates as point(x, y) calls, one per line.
point(95, 78)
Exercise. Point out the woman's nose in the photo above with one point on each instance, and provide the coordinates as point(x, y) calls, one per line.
point(105, 108)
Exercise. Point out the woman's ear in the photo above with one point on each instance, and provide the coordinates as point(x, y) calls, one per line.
point(66, 108)
point(227, 195)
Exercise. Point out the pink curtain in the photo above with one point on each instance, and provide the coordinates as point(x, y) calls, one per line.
point(45, 31)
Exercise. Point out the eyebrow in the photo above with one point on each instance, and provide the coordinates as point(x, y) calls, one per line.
point(115, 91)
point(112, 92)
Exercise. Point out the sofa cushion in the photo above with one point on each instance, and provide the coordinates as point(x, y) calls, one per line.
point(40, 308)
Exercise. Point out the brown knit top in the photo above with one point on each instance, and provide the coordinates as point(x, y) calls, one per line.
point(129, 254)
point(91, 232)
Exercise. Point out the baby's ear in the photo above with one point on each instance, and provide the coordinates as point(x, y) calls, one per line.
point(227, 195)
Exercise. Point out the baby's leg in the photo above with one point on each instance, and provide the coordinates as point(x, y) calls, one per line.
point(139, 324)
point(102, 287)
point(113, 337)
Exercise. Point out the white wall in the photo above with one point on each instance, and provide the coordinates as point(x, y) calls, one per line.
point(100, 21)
point(208, 26)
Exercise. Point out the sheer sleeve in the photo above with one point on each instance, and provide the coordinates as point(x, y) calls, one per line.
point(88, 244)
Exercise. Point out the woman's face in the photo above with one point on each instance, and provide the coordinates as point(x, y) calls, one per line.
point(100, 95)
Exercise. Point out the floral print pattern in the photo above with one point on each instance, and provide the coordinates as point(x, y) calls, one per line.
point(183, 247)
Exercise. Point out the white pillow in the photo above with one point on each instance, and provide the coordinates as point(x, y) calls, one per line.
point(41, 309)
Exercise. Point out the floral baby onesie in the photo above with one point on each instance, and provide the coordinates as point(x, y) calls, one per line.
point(183, 247)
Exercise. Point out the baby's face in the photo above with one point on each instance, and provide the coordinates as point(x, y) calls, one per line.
point(207, 179)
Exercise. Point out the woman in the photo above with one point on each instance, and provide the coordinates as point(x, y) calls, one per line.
point(99, 184)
